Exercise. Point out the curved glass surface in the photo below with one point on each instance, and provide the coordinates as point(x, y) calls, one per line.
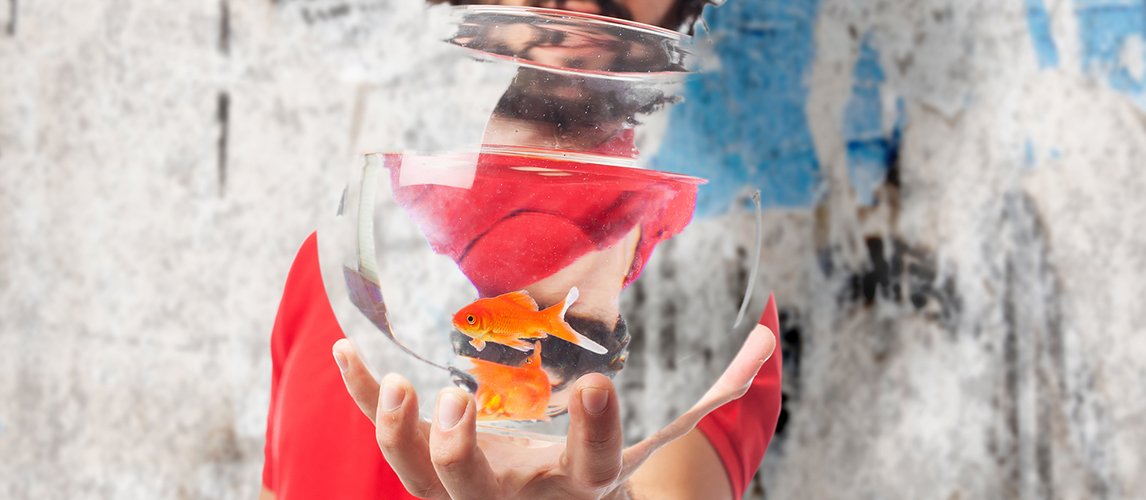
point(498, 266)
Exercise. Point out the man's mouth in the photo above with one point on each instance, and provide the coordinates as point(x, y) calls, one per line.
point(582, 6)
point(608, 8)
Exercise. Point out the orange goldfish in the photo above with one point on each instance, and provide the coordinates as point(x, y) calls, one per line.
point(510, 392)
point(509, 318)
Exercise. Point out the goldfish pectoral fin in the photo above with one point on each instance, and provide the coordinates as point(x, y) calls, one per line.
point(520, 345)
point(478, 344)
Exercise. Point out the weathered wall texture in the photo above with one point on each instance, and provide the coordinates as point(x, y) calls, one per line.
point(952, 230)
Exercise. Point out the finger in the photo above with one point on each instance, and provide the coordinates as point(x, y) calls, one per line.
point(737, 378)
point(359, 382)
point(402, 437)
point(732, 384)
point(461, 465)
point(593, 447)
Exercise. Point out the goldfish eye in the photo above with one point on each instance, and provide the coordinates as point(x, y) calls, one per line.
point(470, 319)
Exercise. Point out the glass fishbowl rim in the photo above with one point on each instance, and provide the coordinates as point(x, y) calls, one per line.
point(599, 19)
point(666, 77)
point(627, 167)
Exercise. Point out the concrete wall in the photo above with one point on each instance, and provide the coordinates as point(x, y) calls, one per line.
point(952, 232)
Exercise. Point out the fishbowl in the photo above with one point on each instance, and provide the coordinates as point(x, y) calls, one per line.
point(494, 256)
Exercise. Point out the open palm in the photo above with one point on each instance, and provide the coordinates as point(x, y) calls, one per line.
point(448, 459)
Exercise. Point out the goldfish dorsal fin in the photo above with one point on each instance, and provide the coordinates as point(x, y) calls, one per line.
point(522, 298)
point(569, 300)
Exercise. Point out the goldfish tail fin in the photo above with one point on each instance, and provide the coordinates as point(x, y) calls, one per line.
point(569, 300)
point(560, 329)
point(563, 331)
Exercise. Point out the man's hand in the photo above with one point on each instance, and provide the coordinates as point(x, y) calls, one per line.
point(448, 459)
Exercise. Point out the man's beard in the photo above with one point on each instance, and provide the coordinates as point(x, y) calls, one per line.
point(536, 95)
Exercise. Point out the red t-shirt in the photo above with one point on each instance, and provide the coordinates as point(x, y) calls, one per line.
point(527, 217)
point(320, 445)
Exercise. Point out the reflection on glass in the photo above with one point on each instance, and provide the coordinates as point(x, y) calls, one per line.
point(584, 81)
point(552, 218)
point(568, 42)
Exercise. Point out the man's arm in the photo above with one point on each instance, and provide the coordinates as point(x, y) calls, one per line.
point(687, 468)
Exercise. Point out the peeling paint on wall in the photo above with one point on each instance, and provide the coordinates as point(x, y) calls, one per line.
point(1111, 35)
point(11, 28)
point(903, 274)
point(1039, 23)
point(976, 325)
point(744, 124)
point(871, 151)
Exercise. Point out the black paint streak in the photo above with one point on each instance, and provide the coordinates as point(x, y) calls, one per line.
point(12, 8)
point(782, 420)
point(668, 334)
point(1011, 388)
point(225, 27)
point(1035, 402)
point(312, 16)
point(635, 366)
point(1032, 257)
point(791, 347)
point(893, 159)
point(757, 486)
point(879, 277)
point(738, 285)
point(791, 343)
point(904, 273)
point(222, 115)
point(633, 381)
point(667, 338)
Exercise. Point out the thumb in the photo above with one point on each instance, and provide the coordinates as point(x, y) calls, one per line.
point(593, 447)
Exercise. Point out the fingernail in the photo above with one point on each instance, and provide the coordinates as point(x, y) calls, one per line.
point(341, 360)
point(392, 396)
point(450, 410)
point(594, 400)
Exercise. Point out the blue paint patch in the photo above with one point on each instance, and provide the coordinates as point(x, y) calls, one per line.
point(1028, 154)
point(1039, 23)
point(1105, 28)
point(1055, 154)
point(744, 125)
point(863, 117)
point(870, 152)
